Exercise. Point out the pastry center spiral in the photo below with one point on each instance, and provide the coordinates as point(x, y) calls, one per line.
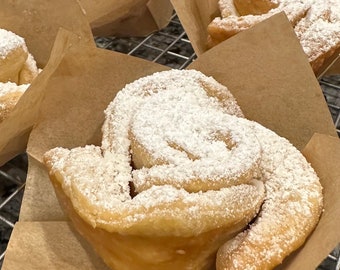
point(195, 147)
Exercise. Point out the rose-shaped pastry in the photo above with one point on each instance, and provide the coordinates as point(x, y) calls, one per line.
point(179, 174)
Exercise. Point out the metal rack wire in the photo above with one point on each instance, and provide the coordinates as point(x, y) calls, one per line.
point(331, 89)
point(170, 47)
point(12, 183)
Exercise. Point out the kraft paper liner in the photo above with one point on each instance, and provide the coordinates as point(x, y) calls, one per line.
point(195, 16)
point(39, 202)
point(49, 246)
point(87, 79)
point(128, 17)
point(331, 65)
point(38, 22)
point(334, 68)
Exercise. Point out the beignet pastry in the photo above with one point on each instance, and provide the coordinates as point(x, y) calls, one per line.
point(17, 69)
point(179, 174)
point(316, 23)
point(10, 94)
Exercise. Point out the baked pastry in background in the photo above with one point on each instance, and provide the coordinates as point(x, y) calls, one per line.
point(10, 93)
point(182, 177)
point(316, 23)
point(17, 69)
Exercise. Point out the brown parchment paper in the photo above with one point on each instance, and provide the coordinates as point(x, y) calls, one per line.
point(128, 17)
point(54, 246)
point(195, 16)
point(88, 78)
point(334, 67)
point(38, 22)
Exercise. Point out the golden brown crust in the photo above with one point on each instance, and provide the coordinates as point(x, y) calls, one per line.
point(28, 71)
point(7, 103)
point(12, 64)
point(135, 252)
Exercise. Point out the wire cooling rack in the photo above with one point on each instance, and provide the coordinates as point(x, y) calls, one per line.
point(170, 47)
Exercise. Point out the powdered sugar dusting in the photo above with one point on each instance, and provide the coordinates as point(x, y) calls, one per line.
point(165, 119)
point(294, 10)
point(125, 103)
point(9, 87)
point(9, 41)
point(31, 65)
point(290, 212)
point(319, 30)
point(17, 70)
point(192, 212)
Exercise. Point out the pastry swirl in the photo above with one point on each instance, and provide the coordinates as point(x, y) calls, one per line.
point(290, 212)
point(98, 182)
point(179, 174)
point(170, 145)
